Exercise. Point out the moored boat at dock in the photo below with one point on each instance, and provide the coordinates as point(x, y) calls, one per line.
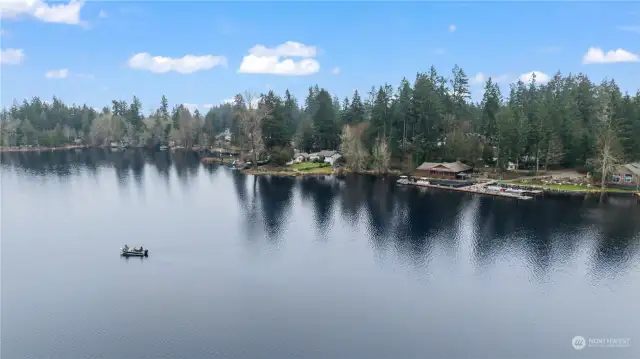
point(403, 180)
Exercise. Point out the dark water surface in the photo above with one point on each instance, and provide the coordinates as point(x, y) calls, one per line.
point(246, 267)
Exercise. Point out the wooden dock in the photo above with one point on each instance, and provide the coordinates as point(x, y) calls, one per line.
point(478, 188)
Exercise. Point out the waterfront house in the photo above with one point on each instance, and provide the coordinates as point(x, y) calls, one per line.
point(223, 138)
point(511, 166)
point(626, 175)
point(449, 170)
point(301, 157)
point(329, 156)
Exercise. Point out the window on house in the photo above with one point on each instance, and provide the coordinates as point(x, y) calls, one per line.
point(616, 178)
point(627, 178)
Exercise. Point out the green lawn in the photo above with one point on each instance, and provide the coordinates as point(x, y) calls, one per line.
point(569, 187)
point(308, 166)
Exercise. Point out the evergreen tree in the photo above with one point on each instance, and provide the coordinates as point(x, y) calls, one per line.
point(324, 124)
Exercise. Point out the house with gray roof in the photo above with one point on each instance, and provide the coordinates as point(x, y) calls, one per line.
point(329, 156)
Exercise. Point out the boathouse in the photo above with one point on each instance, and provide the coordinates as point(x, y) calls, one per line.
point(449, 170)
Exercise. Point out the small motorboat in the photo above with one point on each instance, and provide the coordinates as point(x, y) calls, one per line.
point(403, 180)
point(134, 252)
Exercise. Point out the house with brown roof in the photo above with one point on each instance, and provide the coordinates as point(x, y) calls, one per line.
point(627, 175)
point(449, 170)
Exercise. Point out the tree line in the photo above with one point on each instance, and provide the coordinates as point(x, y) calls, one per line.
point(568, 121)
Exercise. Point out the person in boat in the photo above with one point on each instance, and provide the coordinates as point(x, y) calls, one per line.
point(126, 247)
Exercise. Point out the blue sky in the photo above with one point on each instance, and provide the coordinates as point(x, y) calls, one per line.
point(344, 45)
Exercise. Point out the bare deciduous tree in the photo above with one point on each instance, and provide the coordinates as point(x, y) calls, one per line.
point(352, 147)
point(607, 144)
point(106, 128)
point(154, 129)
point(9, 132)
point(251, 117)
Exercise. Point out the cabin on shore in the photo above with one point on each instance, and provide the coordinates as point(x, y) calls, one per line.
point(627, 176)
point(449, 170)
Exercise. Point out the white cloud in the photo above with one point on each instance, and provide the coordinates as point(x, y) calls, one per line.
point(272, 65)
point(263, 60)
point(440, 51)
point(635, 29)
point(541, 77)
point(12, 56)
point(481, 78)
point(192, 106)
point(452, 28)
point(68, 13)
point(57, 74)
point(288, 49)
point(102, 14)
point(185, 65)
point(595, 55)
point(335, 71)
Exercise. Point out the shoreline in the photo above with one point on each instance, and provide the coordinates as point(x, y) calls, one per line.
point(571, 191)
point(341, 171)
point(556, 191)
point(319, 171)
point(279, 173)
point(42, 148)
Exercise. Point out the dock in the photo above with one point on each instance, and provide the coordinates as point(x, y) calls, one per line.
point(478, 189)
point(486, 188)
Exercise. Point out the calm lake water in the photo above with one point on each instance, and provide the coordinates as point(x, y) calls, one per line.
point(256, 267)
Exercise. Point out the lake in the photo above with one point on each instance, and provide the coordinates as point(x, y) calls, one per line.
point(257, 267)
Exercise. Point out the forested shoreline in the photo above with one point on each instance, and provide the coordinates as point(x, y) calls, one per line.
point(569, 122)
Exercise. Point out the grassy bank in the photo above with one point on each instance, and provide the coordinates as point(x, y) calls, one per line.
point(296, 169)
point(306, 169)
point(215, 160)
point(569, 188)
